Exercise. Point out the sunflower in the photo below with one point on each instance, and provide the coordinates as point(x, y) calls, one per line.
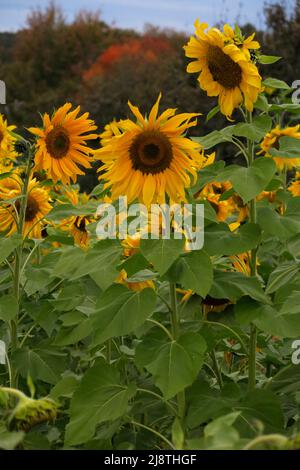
point(151, 157)
point(38, 206)
point(225, 69)
point(294, 187)
point(61, 144)
point(272, 139)
point(212, 192)
point(247, 45)
point(77, 225)
point(7, 142)
point(110, 130)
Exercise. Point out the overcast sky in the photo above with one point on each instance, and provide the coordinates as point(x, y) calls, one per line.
point(179, 14)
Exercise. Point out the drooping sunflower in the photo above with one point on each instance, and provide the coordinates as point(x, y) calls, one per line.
point(38, 206)
point(225, 69)
point(61, 144)
point(151, 157)
point(272, 139)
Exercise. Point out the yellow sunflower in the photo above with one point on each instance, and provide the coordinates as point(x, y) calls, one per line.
point(225, 69)
point(61, 144)
point(38, 206)
point(294, 187)
point(212, 192)
point(245, 44)
point(272, 139)
point(77, 225)
point(151, 157)
point(7, 142)
point(110, 130)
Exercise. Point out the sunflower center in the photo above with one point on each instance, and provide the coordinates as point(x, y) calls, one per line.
point(80, 224)
point(151, 152)
point(58, 142)
point(223, 69)
point(31, 210)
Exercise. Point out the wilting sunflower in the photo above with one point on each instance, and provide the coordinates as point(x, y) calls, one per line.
point(271, 141)
point(38, 205)
point(151, 157)
point(225, 69)
point(61, 144)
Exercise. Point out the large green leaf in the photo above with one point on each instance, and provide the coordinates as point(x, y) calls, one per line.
point(195, 272)
point(249, 182)
point(254, 131)
point(219, 239)
point(173, 364)
point(162, 253)
point(100, 397)
point(39, 364)
point(7, 246)
point(8, 307)
point(234, 285)
point(120, 311)
point(100, 263)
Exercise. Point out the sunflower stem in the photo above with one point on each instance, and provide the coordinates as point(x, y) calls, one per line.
point(253, 272)
point(175, 323)
point(18, 264)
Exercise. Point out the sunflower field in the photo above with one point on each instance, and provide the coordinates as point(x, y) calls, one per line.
point(136, 342)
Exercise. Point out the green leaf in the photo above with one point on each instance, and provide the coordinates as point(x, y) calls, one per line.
point(219, 240)
point(173, 364)
point(215, 138)
point(8, 307)
point(249, 182)
point(64, 211)
point(275, 83)
point(120, 311)
point(196, 272)
point(254, 131)
point(7, 246)
point(99, 398)
point(233, 286)
point(101, 263)
point(212, 113)
point(162, 253)
point(281, 276)
point(268, 59)
point(10, 440)
point(38, 365)
point(289, 147)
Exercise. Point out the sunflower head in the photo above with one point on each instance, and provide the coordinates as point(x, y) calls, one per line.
point(294, 187)
point(151, 156)
point(272, 141)
point(38, 206)
point(225, 67)
point(7, 143)
point(61, 144)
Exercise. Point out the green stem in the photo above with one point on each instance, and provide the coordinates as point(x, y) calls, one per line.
point(18, 265)
point(175, 322)
point(253, 272)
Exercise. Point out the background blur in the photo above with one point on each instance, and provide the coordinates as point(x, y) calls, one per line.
point(53, 54)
